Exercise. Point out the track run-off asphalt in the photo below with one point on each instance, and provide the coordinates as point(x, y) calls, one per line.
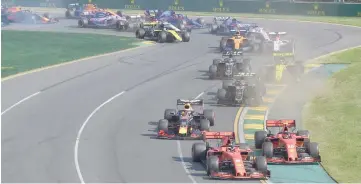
point(97, 118)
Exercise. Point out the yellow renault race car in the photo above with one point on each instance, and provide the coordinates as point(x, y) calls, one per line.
point(162, 32)
point(284, 69)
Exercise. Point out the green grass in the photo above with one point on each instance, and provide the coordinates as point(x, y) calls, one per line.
point(27, 50)
point(334, 118)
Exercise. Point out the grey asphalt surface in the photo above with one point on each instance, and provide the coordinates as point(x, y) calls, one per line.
point(38, 136)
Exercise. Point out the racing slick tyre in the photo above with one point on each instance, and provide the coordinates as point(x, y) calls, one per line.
point(221, 94)
point(304, 133)
point(67, 14)
point(200, 21)
point(212, 164)
point(261, 164)
point(222, 44)
point(267, 149)
point(140, 33)
point(216, 61)
point(213, 71)
point(214, 28)
point(162, 37)
point(259, 137)
point(204, 125)
point(210, 116)
point(169, 113)
point(227, 83)
point(163, 125)
point(82, 23)
point(313, 150)
point(186, 37)
point(199, 151)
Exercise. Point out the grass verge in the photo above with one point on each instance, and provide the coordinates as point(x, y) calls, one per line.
point(335, 119)
point(27, 50)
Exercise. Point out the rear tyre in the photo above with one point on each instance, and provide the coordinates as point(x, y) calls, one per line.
point(169, 113)
point(199, 152)
point(259, 138)
point(210, 115)
point(67, 14)
point(204, 125)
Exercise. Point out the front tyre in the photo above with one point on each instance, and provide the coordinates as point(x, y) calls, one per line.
point(186, 37)
point(162, 37)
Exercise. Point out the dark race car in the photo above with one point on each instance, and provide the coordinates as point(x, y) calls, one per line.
point(245, 88)
point(226, 67)
point(186, 123)
point(228, 160)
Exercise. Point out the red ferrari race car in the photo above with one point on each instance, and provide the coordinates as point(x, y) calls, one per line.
point(286, 147)
point(16, 14)
point(228, 160)
point(186, 123)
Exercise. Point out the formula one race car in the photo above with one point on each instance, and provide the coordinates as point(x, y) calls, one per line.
point(225, 26)
point(286, 147)
point(229, 66)
point(186, 123)
point(162, 32)
point(235, 42)
point(104, 19)
point(229, 160)
point(76, 10)
point(245, 88)
point(181, 21)
point(18, 15)
point(283, 62)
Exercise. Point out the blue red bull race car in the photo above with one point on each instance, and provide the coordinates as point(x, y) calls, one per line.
point(229, 26)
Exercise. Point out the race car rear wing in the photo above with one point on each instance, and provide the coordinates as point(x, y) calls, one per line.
point(218, 135)
point(221, 18)
point(277, 33)
point(232, 53)
point(289, 123)
point(192, 102)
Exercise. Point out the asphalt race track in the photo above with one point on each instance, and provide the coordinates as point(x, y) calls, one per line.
point(117, 145)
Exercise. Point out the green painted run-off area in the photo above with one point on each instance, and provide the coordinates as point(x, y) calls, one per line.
point(27, 50)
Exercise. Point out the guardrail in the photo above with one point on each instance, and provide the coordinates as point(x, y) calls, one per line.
point(348, 8)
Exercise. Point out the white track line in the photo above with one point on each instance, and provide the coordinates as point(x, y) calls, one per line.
point(19, 102)
point(76, 148)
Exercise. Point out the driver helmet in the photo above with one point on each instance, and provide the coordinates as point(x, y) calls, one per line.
point(187, 106)
point(120, 13)
point(234, 20)
point(286, 135)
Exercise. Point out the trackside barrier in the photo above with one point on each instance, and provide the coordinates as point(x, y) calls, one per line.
point(227, 6)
